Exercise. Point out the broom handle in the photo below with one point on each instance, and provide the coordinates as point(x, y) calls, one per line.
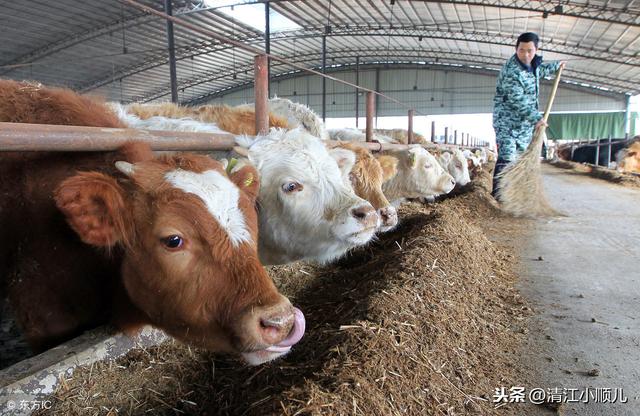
point(553, 95)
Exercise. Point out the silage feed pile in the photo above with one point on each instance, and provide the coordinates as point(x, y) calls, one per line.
point(423, 321)
point(621, 178)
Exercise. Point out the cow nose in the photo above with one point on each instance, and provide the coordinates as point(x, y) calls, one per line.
point(275, 326)
point(389, 216)
point(366, 215)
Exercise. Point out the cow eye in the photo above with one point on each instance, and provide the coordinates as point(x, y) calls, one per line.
point(427, 166)
point(290, 187)
point(172, 242)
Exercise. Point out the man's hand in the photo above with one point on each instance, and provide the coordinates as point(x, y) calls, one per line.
point(563, 64)
point(541, 123)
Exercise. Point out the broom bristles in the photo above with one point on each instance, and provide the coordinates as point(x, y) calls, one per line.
point(520, 189)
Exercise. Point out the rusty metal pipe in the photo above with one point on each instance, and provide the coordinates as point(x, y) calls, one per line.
point(261, 91)
point(43, 137)
point(371, 105)
point(22, 137)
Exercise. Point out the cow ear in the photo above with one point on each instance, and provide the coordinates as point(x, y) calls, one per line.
point(389, 166)
point(95, 207)
point(246, 178)
point(445, 158)
point(345, 159)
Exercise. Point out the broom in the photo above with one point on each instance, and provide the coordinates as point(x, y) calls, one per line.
point(520, 192)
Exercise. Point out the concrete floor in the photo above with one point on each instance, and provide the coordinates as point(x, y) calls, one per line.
point(585, 292)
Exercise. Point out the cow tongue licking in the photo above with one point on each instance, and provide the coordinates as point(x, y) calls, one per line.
point(295, 334)
point(281, 348)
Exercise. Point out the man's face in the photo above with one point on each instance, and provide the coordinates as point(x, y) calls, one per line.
point(526, 51)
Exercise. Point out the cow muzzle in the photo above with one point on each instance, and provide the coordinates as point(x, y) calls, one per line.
point(366, 216)
point(276, 330)
point(389, 218)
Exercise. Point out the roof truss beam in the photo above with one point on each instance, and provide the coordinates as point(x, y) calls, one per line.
point(582, 10)
point(441, 59)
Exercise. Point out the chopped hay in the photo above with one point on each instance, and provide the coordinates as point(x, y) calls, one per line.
point(600, 172)
point(423, 321)
point(521, 192)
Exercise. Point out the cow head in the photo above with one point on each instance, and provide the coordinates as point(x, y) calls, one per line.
point(367, 176)
point(419, 175)
point(307, 211)
point(629, 159)
point(455, 163)
point(188, 232)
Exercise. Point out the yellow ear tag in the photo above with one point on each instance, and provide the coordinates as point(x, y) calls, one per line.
point(232, 163)
point(249, 180)
point(412, 159)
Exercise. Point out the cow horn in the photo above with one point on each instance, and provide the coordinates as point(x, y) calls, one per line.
point(125, 167)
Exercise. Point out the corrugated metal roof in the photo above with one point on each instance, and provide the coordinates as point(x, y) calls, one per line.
point(112, 49)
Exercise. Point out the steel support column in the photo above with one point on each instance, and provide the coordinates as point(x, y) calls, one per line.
point(627, 123)
point(377, 90)
point(172, 53)
point(324, 80)
point(357, 91)
point(267, 44)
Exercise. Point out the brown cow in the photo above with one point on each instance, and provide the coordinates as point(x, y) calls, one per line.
point(24, 102)
point(230, 119)
point(629, 158)
point(169, 241)
point(367, 176)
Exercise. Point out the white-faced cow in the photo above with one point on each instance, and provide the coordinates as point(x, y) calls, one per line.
point(419, 176)
point(307, 210)
point(454, 162)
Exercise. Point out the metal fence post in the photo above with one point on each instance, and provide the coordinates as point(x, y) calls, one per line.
point(261, 92)
point(433, 132)
point(371, 106)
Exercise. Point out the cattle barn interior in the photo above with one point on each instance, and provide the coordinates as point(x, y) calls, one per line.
point(285, 207)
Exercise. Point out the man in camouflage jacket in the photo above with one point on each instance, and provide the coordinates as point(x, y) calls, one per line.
point(515, 109)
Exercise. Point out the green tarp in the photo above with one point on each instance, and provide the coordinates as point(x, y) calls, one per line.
point(589, 125)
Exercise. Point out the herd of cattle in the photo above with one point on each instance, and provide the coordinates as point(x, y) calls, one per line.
point(624, 155)
point(179, 241)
